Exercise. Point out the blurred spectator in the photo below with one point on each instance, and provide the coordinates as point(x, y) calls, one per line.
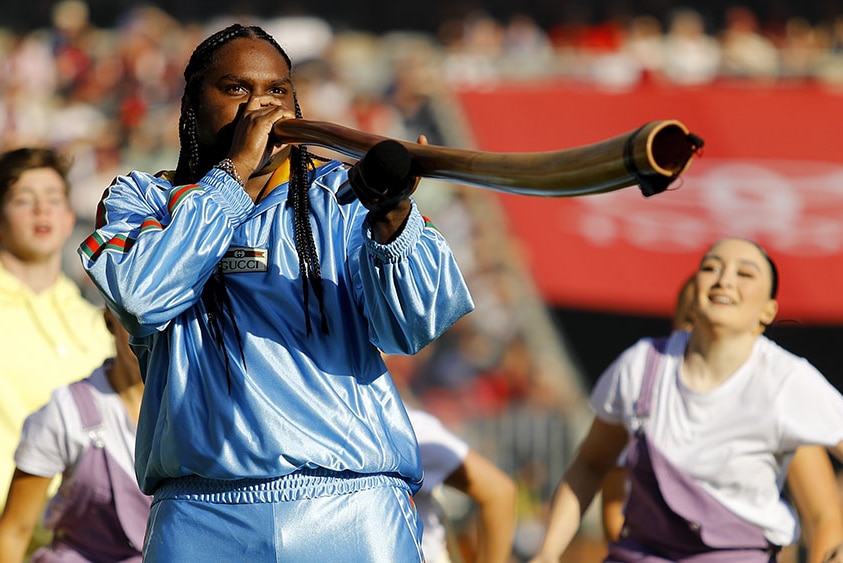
point(692, 56)
point(29, 78)
point(304, 37)
point(49, 335)
point(323, 95)
point(450, 461)
point(71, 48)
point(85, 434)
point(527, 51)
point(746, 53)
point(473, 46)
point(412, 94)
point(830, 62)
point(800, 49)
point(645, 45)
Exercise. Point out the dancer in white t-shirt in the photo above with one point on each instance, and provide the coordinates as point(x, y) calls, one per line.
point(713, 418)
point(86, 434)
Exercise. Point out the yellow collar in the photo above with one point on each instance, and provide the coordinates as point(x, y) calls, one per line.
point(280, 175)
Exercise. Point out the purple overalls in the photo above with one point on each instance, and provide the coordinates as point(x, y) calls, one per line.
point(106, 513)
point(668, 516)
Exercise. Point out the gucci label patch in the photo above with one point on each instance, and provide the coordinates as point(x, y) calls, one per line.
point(239, 260)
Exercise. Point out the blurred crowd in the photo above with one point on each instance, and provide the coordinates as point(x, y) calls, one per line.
point(110, 96)
point(110, 99)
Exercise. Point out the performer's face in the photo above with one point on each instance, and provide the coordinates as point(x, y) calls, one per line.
point(733, 286)
point(242, 71)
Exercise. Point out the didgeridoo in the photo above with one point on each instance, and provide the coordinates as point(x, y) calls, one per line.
point(651, 157)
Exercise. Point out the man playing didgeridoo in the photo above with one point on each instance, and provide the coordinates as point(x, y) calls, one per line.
point(258, 307)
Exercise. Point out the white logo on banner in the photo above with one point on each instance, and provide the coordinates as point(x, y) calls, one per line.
point(791, 207)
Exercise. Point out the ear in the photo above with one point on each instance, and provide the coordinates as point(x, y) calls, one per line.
point(769, 311)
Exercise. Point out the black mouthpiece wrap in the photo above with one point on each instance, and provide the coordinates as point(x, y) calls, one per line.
point(386, 166)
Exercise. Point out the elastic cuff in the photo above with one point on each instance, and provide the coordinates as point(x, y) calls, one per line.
point(401, 245)
point(230, 195)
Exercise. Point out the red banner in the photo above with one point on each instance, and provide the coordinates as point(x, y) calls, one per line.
point(771, 170)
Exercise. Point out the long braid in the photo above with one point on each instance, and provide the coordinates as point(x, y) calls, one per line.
point(301, 166)
point(191, 168)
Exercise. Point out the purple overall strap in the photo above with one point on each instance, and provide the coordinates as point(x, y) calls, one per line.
point(652, 370)
point(86, 404)
point(130, 505)
point(667, 508)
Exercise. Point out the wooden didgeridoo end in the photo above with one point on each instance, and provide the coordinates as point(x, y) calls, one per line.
point(652, 157)
point(658, 152)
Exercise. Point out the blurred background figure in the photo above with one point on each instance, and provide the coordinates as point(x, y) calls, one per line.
point(50, 334)
point(693, 56)
point(450, 461)
point(451, 465)
point(746, 52)
point(85, 434)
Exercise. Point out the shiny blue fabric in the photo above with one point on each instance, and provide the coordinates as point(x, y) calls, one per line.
point(309, 518)
point(298, 400)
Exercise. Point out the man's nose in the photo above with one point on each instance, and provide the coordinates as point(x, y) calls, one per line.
point(263, 100)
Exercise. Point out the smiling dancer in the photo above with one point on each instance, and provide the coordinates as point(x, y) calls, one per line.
point(715, 416)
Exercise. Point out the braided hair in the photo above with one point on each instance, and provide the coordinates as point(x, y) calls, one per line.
point(192, 166)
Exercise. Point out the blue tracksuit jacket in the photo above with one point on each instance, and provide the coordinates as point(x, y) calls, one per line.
point(292, 400)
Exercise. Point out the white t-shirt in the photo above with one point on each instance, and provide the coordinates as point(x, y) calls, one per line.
point(442, 452)
point(738, 439)
point(53, 440)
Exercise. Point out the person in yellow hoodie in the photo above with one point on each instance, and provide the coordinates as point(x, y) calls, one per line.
point(50, 335)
